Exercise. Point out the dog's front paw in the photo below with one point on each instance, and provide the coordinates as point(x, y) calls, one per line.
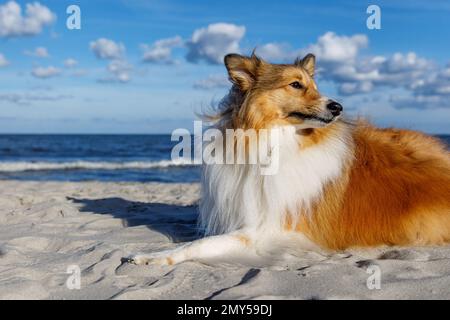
point(146, 259)
point(137, 259)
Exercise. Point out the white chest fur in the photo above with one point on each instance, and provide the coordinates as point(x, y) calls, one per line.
point(236, 196)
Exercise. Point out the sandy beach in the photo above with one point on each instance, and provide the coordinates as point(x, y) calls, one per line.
point(47, 227)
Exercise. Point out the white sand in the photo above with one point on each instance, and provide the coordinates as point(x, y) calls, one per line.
point(46, 227)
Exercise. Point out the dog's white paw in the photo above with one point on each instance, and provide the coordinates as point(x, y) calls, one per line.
point(146, 259)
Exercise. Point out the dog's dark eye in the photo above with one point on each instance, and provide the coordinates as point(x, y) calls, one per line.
point(296, 85)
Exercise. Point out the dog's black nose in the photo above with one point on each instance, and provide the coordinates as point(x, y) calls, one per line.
point(334, 107)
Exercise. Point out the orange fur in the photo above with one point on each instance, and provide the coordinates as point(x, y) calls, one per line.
point(396, 192)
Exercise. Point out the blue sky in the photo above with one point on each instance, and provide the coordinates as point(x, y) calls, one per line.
point(146, 66)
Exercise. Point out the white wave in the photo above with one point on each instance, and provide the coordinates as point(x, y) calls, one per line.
point(18, 166)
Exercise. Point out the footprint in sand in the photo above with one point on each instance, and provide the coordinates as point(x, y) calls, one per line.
point(404, 254)
point(364, 264)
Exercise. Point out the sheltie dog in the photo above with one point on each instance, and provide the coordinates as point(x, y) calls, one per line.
point(340, 183)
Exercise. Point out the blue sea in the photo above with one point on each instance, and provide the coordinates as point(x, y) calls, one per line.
point(140, 158)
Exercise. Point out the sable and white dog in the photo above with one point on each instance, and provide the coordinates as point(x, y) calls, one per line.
point(339, 184)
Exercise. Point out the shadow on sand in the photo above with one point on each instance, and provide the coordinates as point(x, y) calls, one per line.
point(178, 223)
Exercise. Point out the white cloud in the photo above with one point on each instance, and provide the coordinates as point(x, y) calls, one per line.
point(333, 48)
point(45, 72)
point(212, 43)
point(118, 68)
point(3, 61)
point(70, 62)
point(399, 63)
point(14, 23)
point(329, 48)
point(161, 50)
point(347, 88)
point(339, 59)
point(212, 82)
point(39, 52)
point(431, 91)
point(107, 49)
point(364, 74)
point(119, 71)
point(425, 84)
point(276, 52)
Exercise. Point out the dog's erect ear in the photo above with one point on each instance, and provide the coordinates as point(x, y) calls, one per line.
point(242, 70)
point(308, 63)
